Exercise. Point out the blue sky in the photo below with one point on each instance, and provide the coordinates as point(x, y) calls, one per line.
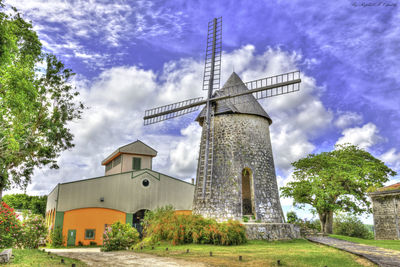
point(133, 55)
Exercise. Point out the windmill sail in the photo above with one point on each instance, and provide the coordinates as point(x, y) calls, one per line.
point(212, 67)
point(170, 111)
point(262, 88)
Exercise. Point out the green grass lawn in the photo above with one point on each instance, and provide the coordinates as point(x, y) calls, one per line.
point(34, 257)
point(390, 244)
point(261, 253)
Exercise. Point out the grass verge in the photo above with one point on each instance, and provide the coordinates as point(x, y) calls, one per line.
point(261, 253)
point(389, 244)
point(35, 257)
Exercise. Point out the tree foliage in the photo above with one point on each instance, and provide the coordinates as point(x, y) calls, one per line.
point(36, 103)
point(336, 181)
point(351, 226)
point(36, 204)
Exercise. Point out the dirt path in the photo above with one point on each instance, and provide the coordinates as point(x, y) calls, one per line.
point(381, 256)
point(94, 257)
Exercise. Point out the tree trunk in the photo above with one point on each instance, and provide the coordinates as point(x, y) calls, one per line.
point(326, 220)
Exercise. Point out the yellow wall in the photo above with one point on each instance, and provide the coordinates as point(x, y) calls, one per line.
point(90, 218)
point(50, 216)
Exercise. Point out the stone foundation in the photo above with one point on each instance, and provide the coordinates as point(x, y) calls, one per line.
point(272, 231)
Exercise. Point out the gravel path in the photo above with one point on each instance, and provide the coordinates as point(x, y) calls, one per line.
point(94, 257)
point(381, 256)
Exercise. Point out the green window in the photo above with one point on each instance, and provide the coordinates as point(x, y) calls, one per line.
point(136, 164)
point(109, 166)
point(117, 161)
point(90, 233)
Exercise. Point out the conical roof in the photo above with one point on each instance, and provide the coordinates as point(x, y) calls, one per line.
point(245, 104)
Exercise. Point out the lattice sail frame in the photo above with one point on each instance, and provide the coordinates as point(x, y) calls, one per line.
point(212, 66)
point(261, 88)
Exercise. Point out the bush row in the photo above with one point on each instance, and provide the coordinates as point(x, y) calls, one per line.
point(343, 224)
point(164, 224)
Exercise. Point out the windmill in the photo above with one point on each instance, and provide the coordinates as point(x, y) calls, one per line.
point(234, 97)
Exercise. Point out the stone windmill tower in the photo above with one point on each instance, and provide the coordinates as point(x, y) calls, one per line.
point(243, 175)
point(235, 174)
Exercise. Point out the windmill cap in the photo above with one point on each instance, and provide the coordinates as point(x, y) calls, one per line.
point(245, 104)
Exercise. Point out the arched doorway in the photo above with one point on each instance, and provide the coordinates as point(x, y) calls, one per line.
point(247, 192)
point(137, 219)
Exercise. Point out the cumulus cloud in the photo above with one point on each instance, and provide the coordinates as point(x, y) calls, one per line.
point(365, 136)
point(347, 119)
point(184, 156)
point(391, 158)
point(118, 97)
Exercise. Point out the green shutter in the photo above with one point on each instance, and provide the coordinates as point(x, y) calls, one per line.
point(129, 218)
point(59, 219)
point(136, 164)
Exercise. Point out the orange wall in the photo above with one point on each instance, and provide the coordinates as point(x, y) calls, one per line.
point(185, 212)
point(90, 218)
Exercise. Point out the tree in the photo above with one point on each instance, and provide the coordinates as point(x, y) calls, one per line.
point(35, 103)
point(36, 204)
point(336, 181)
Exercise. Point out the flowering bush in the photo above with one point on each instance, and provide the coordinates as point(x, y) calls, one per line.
point(164, 224)
point(119, 236)
point(33, 232)
point(9, 226)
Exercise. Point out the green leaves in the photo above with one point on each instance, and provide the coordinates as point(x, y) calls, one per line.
point(337, 180)
point(35, 107)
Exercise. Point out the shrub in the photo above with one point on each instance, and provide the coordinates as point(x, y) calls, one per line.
point(303, 223)
point(292, 217)
point(351, 226)
point(33, 232)
point(119, 236)
point(56, 237)
point(9, 226)
point(164, 224)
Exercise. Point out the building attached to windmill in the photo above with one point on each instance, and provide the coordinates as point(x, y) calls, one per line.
point(84, 208)
point(386, 211)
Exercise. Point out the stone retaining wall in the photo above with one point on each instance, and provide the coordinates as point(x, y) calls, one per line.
point(272, 231)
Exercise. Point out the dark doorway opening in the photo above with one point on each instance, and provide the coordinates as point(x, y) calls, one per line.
point(137, 220)
point(247, 192)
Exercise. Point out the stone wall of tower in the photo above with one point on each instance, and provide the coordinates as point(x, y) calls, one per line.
point(240, 141)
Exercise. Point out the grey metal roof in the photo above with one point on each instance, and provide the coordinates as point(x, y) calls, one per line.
point(245, 104)
point(137, 147)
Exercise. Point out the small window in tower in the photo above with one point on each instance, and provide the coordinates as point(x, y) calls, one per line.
point(109, 166)
point(136, 164)
point(145, 183)
point(89, 234)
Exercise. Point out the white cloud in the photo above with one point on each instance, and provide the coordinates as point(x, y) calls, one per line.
point(65, 27)
point(184, 156)
point(392, 158)
point(118, 97)
point(365, 136)
point(347, 119)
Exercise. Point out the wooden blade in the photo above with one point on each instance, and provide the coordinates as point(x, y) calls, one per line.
point(172, 110)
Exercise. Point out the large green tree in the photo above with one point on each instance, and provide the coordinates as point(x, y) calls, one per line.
point(36, 204)
point(36, 103)
point(336, 181)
